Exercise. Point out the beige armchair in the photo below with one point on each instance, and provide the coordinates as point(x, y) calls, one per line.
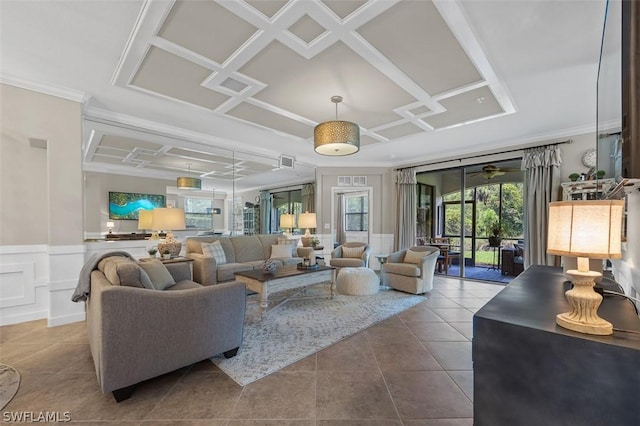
point(353, 255)
point(411, 274)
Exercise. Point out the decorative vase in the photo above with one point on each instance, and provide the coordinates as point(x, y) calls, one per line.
point(268, 267)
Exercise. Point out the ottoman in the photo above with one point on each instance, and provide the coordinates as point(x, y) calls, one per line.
point(357, 281)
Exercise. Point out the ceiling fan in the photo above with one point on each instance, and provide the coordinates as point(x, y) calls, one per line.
point(490, 171)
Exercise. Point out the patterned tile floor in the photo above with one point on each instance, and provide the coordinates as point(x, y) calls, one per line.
point(413, 369)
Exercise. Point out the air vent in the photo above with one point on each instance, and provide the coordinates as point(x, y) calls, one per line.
point(359, 181)
point(287, 162)
point(345, 181)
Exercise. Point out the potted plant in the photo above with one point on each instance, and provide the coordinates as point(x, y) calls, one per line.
point(166, 254)
point(494, 234)
point(152, 251)
point(315, 241)
point(600, 174)
point(574, 177)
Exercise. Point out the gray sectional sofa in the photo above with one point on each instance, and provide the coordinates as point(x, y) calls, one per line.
point(138, 331)
point(242, 253)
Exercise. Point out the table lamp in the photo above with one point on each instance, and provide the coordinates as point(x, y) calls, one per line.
point(287, 222)
point(145, 218)
point(307, 220)
point(168, 219)
point(585, 229)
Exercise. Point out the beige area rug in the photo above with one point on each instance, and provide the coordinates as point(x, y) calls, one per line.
point(9, 384)
point(299, 328)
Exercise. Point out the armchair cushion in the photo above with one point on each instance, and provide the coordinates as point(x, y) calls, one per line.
point(352, 252)
point(406, 269)
point(158, 273)
point(125, 272)
point(415, 257)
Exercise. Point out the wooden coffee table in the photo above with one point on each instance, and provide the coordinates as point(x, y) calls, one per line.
point(285, 278)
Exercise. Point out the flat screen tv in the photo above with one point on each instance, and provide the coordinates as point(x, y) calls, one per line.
point(125, 205)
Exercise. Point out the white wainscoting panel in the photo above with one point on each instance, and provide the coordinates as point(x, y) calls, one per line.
point(65, 263)
point(24, 275)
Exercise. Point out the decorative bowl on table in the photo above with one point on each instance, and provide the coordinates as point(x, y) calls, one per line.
point(268, 266)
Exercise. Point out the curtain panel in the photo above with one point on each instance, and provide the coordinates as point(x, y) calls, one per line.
point(265, 212)
point(341, 237)
point(541, 167)
point(309, 197)
point(406, 210)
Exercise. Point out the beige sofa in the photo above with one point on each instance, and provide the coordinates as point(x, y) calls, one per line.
point(242, 253)
point(137, 332)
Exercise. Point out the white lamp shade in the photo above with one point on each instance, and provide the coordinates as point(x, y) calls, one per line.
point(586, 228)
point(286, 221)
point(110, 224)
point(144, 219)
point(167, 219)
point(307, 220)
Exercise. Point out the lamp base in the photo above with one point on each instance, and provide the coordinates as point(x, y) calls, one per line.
point(584, 302)
point(173, 248)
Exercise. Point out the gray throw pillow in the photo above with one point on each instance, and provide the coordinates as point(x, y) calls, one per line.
point(158, 273)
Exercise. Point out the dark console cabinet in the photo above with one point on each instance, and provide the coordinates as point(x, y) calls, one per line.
point(529, 371)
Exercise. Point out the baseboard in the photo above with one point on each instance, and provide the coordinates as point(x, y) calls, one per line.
point(16, 319)
point(68, 319)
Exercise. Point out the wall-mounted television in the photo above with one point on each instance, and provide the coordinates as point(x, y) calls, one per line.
point(125, 205)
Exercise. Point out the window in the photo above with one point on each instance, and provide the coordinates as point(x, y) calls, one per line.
point(198, 213)
point(285, 202)
point(356, 212)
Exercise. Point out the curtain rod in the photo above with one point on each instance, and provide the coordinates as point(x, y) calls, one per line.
point(568, 141)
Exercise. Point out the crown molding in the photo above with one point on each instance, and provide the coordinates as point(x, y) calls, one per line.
point(46, 88)
point(514, 144)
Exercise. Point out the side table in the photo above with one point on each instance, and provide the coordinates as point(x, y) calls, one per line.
point(382, 258)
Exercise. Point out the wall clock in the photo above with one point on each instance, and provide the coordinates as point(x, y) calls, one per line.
point(590, 158)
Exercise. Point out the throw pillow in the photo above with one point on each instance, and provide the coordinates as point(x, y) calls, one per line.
point(280, 250)
point(216, 251)
point(414, 256)
point(159, 275)
point(123, 271)
point(355, 252)
point(293, 242)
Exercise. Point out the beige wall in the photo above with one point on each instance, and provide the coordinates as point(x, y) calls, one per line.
point(40, 189)
point(97, 187)
point(383, 189)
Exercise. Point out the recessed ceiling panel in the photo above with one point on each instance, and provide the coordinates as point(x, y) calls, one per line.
point(306, 29)
point(413, 35)
point(367, 140)
point(206, 28)
point(267, 7)
point(343, 8)
point(297, 84)
point(399, 131)
point(269, 119)
point(126, 144)
point(464, 107)
point(172, 76)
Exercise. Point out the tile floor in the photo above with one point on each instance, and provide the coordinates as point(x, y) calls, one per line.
point(413, 369)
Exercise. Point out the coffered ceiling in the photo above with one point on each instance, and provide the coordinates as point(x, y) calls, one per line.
point(229, 86)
